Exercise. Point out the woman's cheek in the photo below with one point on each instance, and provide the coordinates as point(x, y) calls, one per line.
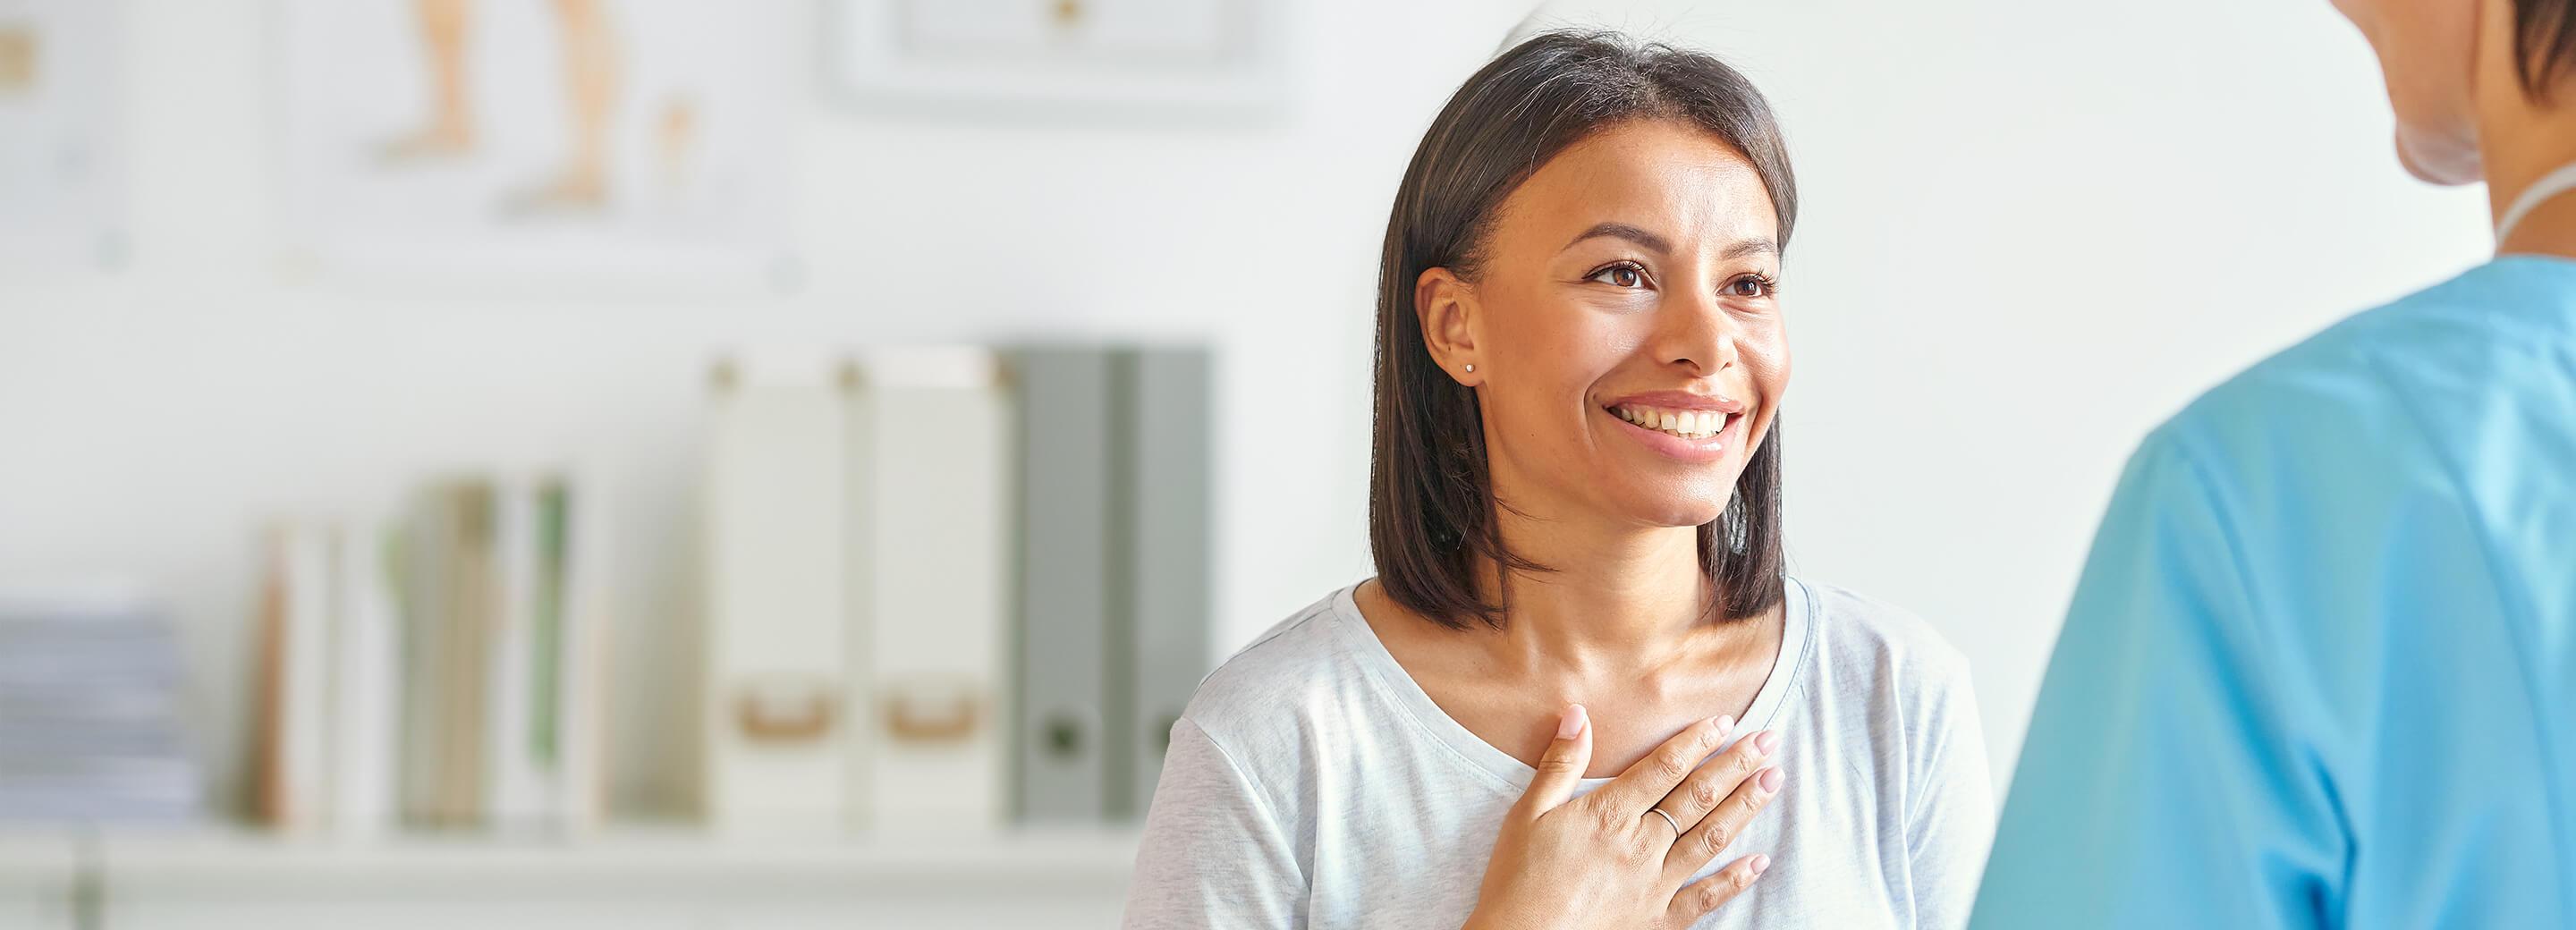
point(1765, 356)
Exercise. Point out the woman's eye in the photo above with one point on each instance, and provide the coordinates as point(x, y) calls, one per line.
point(1621, 276)
point(1749, 286)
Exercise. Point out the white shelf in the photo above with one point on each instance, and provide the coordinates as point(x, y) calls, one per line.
point(680, 879)
point(36, 860)
point(39, 872)
point(234, 863)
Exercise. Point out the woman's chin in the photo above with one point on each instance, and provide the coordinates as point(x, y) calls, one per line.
point(1691, 498)
point(2436, 159)
point(1694, 512)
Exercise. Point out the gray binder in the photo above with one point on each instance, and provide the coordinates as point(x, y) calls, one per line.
point(1115, 611)
point(1063, 650)
point(1165, 611)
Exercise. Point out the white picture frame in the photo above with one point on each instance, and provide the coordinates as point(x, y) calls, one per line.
point(62, 140)
point(1201, 60)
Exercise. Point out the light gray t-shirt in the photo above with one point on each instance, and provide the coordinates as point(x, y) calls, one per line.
point(1311, 783)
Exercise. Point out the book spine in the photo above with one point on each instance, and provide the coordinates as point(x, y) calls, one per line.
point(427, 544)
point(581, 706)
point(366, 684)
point(473, 596)
point(512, 784)
point(303, 720)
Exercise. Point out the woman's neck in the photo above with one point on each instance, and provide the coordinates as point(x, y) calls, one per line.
point(1619, 601)
point(2520, 141)
point(2516, 157)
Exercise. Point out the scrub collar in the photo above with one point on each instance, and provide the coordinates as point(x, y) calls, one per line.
point(2541, 191)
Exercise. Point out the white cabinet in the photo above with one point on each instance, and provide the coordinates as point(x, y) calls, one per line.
point(40, 881)
point(679, 882)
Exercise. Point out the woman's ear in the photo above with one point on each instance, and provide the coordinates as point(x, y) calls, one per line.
point(1446, 307)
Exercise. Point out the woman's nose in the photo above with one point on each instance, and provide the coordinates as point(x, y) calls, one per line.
point(1696, 332)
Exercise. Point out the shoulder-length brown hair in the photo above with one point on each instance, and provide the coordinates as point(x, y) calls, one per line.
point(1431, 501)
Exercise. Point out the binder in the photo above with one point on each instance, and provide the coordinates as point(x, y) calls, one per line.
point(450, 591)
point(366, 683)
point(513, 782)
point(1060, 752)
point(573, 535)
point(294, 753)
point(422, 591)
point(929, 510)
point(1164, 531)
point(776, 749)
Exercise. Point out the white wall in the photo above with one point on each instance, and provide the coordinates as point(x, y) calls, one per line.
point(2031, 230)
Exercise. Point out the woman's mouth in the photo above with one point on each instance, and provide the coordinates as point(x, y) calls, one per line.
point(1691, 424)
point(1693, 429)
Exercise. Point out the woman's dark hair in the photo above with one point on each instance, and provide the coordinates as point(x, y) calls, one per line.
point(2544, 43)
point(1432, 512)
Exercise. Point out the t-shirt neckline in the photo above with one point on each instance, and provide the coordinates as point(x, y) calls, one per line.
point(1360, 642)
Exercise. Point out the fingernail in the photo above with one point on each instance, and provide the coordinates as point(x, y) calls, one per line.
point(1760, 863)
point(1770, 779)
point(1571, 722)
point(1766, 741)
point(1725, 725)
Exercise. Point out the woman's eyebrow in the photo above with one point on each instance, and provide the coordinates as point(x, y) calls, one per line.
point(1646, 240)
point(1746, 248)
point(1742, 248)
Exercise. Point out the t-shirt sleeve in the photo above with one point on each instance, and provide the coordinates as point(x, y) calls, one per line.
point(1214, 854)
point(2164, 782)
point(1953, 817)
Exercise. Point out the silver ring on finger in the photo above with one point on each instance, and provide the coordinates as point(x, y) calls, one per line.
point(1668, 820)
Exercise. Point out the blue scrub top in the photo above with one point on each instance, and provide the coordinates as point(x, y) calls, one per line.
point(2320, 670)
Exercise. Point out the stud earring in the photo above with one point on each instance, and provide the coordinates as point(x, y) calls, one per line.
point(1471, 368)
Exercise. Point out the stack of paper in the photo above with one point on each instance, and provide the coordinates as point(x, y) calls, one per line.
point(90, 697)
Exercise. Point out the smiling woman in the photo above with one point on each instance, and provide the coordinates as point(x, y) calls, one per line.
point(1530, 718)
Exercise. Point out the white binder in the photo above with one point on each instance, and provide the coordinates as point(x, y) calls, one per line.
point(929, 473)
point(366, 683)
point(581, 687)
point(775, 742)
point(514, 787)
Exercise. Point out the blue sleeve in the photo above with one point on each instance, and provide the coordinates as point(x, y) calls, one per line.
point(2164, 782)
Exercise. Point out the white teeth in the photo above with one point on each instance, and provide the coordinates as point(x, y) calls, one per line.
point(1689, 424)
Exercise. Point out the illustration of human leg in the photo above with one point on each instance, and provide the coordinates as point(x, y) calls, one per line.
point(450, 130)
point(590, 80)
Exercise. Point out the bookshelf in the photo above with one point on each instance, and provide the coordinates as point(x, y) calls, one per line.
point(630, 877)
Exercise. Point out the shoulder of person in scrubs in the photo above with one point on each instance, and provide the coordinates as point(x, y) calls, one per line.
point(2320, 669)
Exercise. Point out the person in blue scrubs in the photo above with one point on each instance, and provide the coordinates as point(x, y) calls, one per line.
point(2320, 670)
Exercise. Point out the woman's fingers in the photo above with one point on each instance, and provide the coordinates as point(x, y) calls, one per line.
point(1561, 767)
point(1654, 776)
point(1719, 777)
point(1722, 826)
point(1708, 894)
